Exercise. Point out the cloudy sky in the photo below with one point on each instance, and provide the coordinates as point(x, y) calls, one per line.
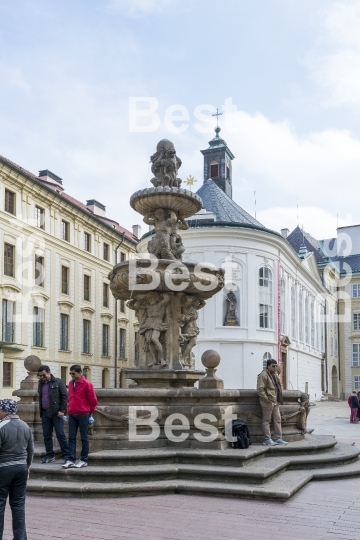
point(72, 74)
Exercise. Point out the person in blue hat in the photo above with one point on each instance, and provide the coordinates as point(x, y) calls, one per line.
point(16, 455)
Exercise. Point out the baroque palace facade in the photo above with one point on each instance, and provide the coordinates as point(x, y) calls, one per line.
point(55, 257)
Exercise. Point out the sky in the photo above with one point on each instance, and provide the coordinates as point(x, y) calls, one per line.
point(78, 81)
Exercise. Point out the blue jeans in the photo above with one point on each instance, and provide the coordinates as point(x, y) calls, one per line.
point(49, 423)
point(79, 421)
point(13, 479)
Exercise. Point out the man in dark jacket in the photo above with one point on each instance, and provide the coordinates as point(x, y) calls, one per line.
point(53, 403)
point(16, 454)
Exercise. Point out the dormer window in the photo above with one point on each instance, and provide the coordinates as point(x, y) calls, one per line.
point(214, 170)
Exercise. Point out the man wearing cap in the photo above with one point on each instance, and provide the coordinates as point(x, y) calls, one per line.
point(16, 454)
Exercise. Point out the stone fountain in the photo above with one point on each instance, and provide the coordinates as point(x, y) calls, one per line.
point(165, 292)
point(134, 448)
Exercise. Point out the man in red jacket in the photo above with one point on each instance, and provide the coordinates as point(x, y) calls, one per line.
point(82, 403)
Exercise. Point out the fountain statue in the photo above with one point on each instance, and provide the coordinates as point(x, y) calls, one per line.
point(165, 291)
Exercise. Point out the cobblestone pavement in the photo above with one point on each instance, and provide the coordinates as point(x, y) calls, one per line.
point(320, 511)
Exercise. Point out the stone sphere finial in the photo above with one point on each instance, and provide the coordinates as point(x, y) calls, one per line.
point(210, 359)
point(32, 363)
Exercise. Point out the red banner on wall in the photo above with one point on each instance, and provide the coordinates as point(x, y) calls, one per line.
point(279, 310)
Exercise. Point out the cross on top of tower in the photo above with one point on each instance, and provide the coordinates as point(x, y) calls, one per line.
point(217, 114)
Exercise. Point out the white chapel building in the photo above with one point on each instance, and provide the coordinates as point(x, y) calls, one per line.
point(276, 300)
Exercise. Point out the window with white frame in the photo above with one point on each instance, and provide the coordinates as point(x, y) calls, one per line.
point(64, 332)
point(86, 336)
point(293, 312)
point(307, 332)
point(8, 321)
point(357, 382)
point(356, 355)
point(39, 271)
point(356, 290)
point(322, 328)
point(312, 323)
point(266, 357)
point(301, 317)
point(38, 327)
point(283, 304)
point(65, 230)
point(265, 298)
point(356, 320)
point(105, 340)
point(318, 331)
point(122, 343)
point(39, 217)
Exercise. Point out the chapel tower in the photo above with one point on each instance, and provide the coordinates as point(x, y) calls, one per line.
point(217, 163)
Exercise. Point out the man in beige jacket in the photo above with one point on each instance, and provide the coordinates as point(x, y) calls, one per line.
point(269, 391)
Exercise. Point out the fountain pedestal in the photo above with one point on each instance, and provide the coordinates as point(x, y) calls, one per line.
point(161, 378)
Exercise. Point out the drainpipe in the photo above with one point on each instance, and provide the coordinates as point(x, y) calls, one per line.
point(116, 305)
point(326, 350)
point(338, 338)
point(325, 336)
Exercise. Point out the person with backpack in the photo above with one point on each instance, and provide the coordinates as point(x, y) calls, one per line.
point(269, 390)
point(354, 406)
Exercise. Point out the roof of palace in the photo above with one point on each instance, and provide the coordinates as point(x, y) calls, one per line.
point(298, 237)
point(345, 264)
point(114, 225)
point(223, 207)
point(325, 251)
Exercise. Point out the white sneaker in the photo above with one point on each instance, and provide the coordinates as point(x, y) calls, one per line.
point(281, 442)
point(269, 442)
point(68, 465)
point(81, 464)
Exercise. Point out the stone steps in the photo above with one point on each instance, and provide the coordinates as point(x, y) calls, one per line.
point(276, 472)
point(257, 472)
point(310, 445)
point(278, 488)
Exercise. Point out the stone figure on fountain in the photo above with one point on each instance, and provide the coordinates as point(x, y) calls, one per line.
point(165, 292)
point(154, 321)
point(167, 243)
point(190, 329)
point(165, 165)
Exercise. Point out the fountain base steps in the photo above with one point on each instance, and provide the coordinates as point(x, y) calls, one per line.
point(276, 472)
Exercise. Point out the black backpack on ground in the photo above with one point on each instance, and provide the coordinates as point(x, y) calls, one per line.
point(241, 432)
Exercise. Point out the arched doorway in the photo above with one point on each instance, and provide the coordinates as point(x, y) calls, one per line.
point(334, 382)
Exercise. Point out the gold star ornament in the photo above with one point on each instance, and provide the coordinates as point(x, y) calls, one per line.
point(190, 181)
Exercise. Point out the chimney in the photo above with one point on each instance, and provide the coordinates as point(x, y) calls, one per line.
point(52, 179)
point(137, 230)
point(96, 208)
point(285, 233)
